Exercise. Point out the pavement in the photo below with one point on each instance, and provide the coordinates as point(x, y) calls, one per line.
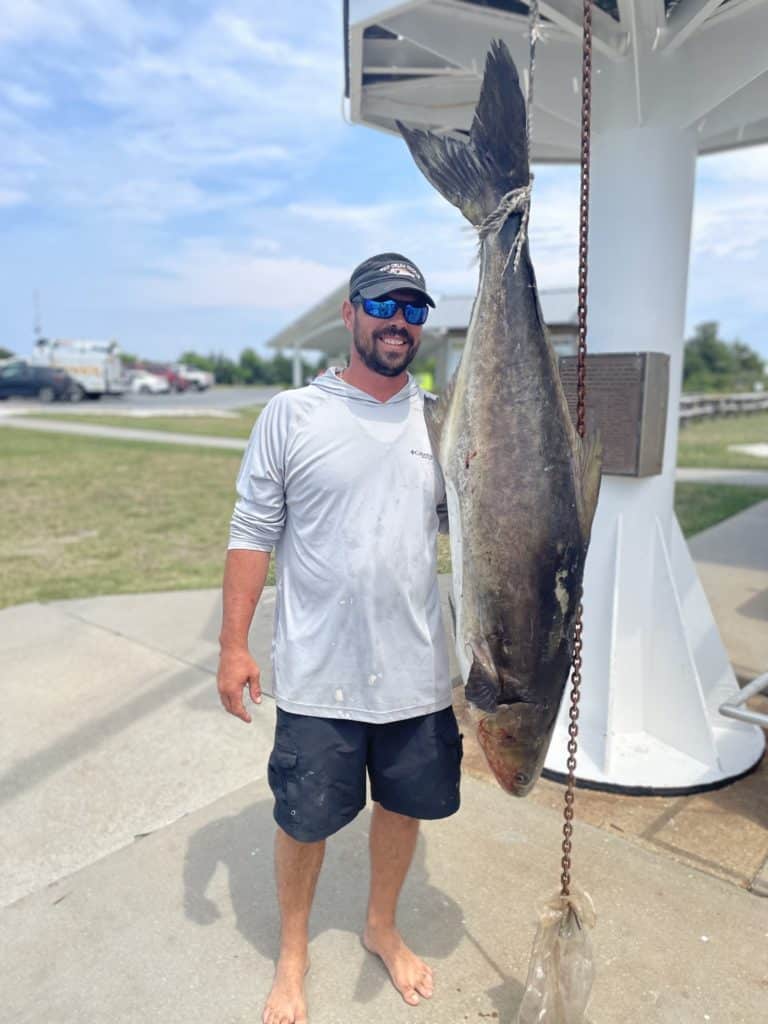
point(137, 870)
point(137, 882)
point(739, 477)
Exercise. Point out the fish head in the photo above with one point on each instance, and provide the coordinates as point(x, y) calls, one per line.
point(515, 741)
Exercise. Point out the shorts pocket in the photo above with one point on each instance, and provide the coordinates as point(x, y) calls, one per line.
point(448, 731)
point(281, 771)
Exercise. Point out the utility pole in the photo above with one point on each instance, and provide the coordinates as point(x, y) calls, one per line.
point(37, 327)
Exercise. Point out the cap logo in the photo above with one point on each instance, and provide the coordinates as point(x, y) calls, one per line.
point(399, 270)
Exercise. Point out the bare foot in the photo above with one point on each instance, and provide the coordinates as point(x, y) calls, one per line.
point(286, 1003)
point(410, 975)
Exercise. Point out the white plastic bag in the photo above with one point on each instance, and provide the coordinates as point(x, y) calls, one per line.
point(561, 970)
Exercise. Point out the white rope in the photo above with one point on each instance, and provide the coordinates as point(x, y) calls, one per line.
point(516, 201)
point(534, 33)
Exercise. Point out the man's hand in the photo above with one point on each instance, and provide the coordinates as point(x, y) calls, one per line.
point(237, 669)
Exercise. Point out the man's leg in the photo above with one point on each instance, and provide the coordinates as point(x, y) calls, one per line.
point(297, 866)
point(392, 842)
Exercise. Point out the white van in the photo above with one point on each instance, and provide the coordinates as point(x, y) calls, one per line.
point(95, 366)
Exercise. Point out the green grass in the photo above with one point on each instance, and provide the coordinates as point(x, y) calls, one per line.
point(699, 506)
point(86, 516)
point(705, 444)
point(239, 425)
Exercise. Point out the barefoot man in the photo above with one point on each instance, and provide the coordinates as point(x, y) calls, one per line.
point(340, 480)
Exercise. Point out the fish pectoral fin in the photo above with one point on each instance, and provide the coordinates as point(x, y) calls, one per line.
point(482, 688)
point(590, 453)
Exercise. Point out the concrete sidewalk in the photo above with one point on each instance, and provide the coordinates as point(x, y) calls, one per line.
point(181, 926)
point(740, 477)
point(137, 882)
point(121, 433)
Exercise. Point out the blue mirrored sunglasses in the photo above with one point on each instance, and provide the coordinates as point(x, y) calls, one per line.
point(385, 309)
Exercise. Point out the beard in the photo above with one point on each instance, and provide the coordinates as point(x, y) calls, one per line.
point(388, 362)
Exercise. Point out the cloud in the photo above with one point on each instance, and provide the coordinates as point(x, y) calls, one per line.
point(213, 275)
point(11, 197)
point(19, 96)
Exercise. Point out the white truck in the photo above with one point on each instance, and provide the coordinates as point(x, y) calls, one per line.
point(95, 366)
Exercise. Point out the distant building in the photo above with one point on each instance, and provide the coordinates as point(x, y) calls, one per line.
point(321, 329)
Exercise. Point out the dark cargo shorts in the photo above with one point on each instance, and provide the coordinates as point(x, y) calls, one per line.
point(317, 770)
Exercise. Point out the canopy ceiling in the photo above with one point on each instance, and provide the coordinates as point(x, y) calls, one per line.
point(687, 62)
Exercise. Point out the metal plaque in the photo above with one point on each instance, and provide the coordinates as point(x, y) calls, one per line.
point(627, 395)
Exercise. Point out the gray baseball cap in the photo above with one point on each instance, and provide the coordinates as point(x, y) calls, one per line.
point(386, 273)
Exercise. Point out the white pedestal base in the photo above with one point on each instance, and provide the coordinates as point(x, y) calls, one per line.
point(660, 729)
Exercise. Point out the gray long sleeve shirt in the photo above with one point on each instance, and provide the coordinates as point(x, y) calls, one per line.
point(345, 489)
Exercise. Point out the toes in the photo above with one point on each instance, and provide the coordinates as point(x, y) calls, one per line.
point(411, 996)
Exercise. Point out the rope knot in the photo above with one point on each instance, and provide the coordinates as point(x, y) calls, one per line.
point(516, 201)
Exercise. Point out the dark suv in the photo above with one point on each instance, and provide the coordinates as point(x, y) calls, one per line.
point(21, 379)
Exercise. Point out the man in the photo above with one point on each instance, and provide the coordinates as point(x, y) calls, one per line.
point(339, 478)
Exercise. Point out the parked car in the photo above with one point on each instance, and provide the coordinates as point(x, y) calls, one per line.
point(201, 380)
point(18, 378)
point(175, 381)
point(146, 383)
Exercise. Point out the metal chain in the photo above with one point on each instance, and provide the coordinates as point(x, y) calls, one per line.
point(573, 725)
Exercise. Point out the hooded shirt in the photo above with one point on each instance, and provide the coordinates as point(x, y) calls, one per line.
point(346, 490)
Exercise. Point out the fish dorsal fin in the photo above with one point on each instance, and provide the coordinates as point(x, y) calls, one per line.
point(436, 411)
point(590, 462)
point(475, 174)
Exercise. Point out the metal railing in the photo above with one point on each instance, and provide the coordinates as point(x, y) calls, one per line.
point(699, 407)
point(734, 707)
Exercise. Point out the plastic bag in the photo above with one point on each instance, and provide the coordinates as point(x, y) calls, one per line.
point(561, 970)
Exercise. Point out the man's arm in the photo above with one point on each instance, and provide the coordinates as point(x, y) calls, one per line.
point(244, 576)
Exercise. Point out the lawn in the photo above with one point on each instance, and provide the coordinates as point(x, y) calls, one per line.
point(87, 516)
point(705, 444)
point(237, 425)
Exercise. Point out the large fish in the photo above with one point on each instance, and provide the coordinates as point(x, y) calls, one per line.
point(521, 485)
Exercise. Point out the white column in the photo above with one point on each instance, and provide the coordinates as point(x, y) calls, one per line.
point(655, 670)
point(297, 381)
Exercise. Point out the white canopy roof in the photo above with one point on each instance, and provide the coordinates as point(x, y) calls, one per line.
point(321, 327)
point(701, 63)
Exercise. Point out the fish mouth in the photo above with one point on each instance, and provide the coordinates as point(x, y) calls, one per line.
point(515, 742)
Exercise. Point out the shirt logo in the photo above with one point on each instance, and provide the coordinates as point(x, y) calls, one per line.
point(422, 455)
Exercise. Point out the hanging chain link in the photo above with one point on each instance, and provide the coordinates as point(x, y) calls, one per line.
point(573, 725)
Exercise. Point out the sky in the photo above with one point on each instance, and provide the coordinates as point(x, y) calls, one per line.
point(181, 175)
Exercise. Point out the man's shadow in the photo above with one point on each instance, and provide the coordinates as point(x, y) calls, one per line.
point(242, 844)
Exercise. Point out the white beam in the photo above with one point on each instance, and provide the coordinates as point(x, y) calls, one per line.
point(684, 21)
point(568, 15)
point(402, 53)
point(722, 60)
point(430, 103)
point(466, 43)
point(637, 46)
point(747, 107)
point(737, 138)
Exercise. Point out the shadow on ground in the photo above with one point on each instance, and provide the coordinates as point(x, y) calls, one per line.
point(241, 844)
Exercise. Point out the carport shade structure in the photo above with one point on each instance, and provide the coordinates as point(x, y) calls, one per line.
point(671, 79)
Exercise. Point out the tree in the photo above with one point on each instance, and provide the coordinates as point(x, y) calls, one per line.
point(711, 364)
point(5, 353)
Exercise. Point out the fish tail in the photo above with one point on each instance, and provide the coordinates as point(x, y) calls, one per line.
point(476, 175)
